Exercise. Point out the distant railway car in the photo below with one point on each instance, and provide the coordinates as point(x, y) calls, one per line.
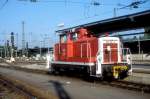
point(78, 50)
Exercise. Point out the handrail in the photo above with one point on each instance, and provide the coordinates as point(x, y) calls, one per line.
point(89, 45)
point(124, 52)
point(88, 48)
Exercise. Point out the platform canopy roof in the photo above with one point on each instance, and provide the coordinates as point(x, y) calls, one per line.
point(121, 23)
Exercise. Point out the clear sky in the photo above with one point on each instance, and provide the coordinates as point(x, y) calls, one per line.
point(42, 18)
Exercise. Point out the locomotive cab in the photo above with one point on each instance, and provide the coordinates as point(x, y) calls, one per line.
point(78, 50)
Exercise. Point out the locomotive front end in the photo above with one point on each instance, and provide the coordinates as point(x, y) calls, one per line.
point(112, 59)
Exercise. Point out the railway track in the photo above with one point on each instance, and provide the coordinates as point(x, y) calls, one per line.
point(23, 89)
point(129, 85)
point(119, 83)
point(19, 91)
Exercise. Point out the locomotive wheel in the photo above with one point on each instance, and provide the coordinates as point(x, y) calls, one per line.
point(86, 75)
point(123, 74)
point(107, 75)
point(54, 71)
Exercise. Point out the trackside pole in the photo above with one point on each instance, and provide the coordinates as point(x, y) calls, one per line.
point(48, 61)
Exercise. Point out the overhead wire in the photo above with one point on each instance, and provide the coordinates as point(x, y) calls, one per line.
point(4, 4)
point(134, 4)
point(89, 17)
point(104, 13)
point(94, 2)
point(87, 5)
point(56, 1)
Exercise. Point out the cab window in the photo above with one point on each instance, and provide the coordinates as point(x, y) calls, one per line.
point(74, 36)
point(63, 38)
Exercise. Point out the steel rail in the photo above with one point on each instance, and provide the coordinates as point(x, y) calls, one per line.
point(114, 83)
point(16, 88)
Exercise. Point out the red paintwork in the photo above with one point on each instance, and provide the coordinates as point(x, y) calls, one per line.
point(111, 56)
point(70, 51)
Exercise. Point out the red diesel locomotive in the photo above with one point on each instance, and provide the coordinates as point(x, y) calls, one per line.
point(79, 50)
